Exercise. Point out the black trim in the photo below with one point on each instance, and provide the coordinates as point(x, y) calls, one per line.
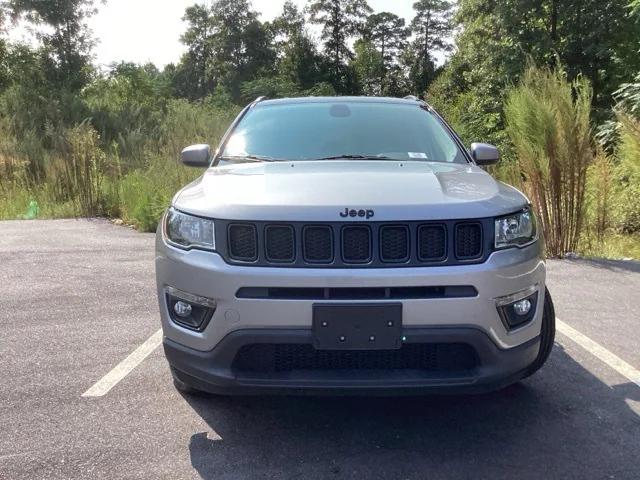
point(375, 260)
point(463, 224)
point(255, 234)
point(356, 293)
point(266, 244)
point(505, 313)
point(419, 243)
point(304, 244)
point(356, 227)
point(381, 244)
point(212, 371)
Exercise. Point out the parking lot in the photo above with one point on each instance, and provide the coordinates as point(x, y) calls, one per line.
point(77, 297)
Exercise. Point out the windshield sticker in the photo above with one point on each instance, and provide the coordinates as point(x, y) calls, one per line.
point(417, 155)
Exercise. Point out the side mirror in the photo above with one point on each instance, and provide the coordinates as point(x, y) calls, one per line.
point(484, 154)
point(196, 156)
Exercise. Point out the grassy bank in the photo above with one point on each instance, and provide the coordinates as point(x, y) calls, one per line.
point(128, 176)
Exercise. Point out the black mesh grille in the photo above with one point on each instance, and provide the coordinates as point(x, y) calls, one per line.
point(433, 357)
point(318, 244)
point(280, 243)
point(432, 242)
point(243, 242)
point(468, 240)
point(356, 244)
point(394, 244)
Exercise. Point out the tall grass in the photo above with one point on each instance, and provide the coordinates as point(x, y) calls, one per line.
point(600, 181)
point(131, 178)
point(548, 121)
point(627, 175)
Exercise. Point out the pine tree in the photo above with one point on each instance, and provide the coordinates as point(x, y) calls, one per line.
point(432, 27)
point(340, 20)
point(389, 35)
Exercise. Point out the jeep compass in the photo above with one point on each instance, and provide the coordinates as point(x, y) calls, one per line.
point(349, 245)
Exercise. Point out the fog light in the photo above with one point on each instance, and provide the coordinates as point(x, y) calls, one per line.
point(522, 307)
point(182, 309)
point(518, 309)
point(188, 310)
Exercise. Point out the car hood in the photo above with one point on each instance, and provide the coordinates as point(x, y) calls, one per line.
point(321, 190)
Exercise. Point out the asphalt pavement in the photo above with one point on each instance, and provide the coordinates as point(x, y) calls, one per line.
point(77, 297)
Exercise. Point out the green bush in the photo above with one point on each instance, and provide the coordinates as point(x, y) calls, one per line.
point(627, 173)
point(145, 194)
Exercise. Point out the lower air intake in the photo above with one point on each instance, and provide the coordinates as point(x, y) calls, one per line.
point(278, 358)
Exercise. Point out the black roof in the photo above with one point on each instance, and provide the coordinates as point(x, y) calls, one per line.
point(280, 101)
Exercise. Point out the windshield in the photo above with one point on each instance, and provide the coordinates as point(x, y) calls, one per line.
point(350, 130)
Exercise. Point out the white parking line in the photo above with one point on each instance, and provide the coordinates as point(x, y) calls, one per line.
point(598, 351)
point(125, 367)
point(111, 379)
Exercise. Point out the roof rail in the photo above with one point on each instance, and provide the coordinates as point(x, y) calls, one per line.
point(257, 100)
point(411, 97)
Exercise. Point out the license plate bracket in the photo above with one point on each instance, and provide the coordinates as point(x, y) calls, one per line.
point(362, 326)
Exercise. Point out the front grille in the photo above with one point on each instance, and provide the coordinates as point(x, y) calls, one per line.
point(468, 240)
point(318, 244)
point(243, 242)
point(394, 243)
point(280, 243)
point(432, 243)
point(281, 358)
point(354, 245)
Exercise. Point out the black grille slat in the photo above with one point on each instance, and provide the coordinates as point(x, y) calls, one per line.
point(243, 242)
point(394, 243)
point(318, 244)
point(468, 240)
point(429, 357)
point(280, 243)
point(432, 243)
point(356, 293)
point(356, 244)
point(352, 244)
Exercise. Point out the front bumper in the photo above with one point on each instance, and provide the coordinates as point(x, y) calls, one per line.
point(213, 371)
point(206, 357)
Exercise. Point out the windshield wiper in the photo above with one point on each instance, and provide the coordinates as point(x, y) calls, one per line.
point(250, 158)
point(356, 157)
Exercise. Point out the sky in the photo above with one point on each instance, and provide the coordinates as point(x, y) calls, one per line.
point(144, 31)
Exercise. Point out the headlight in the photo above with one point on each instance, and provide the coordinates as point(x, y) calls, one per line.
point(516, 230)
point(186, 231)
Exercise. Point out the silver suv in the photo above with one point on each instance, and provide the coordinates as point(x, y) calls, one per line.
point(349, 245)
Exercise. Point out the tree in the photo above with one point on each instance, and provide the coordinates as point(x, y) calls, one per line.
point(241, 44)
point(389, 35)
point(432, 27)
point(288, 25)
point(340, 20)
point(197, 74)
point(68, 44)
point(299, 61)
point(227, 45)
point(590, 37)
point(368, 65)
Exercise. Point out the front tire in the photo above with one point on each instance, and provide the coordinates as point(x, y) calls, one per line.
point(547, 335)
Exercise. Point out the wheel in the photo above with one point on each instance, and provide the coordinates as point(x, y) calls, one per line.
point(181, 385)
point(547, 335)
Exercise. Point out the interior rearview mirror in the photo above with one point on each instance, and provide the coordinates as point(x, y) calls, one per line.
point(196, 155)
point(484, 154)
